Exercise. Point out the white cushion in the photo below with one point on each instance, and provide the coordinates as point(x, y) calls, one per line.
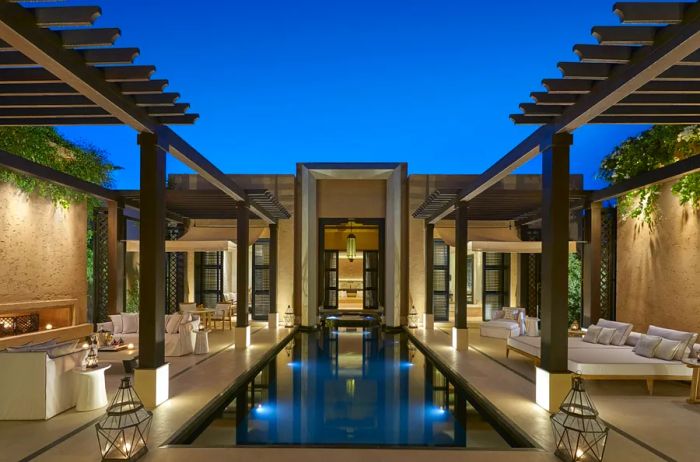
point(686, 338)
point(497, 314)
point(172, 323)
point(632, 339)
point(592, 334)
point(647, 345)
point(117, 323)
point(622, 330)
point(667, 349)
point(511, 313)
point(61, 349)
point(188, 306)
point(606, 335)
point(130, 323)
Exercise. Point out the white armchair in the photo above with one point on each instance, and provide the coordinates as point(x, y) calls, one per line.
point(506, 322)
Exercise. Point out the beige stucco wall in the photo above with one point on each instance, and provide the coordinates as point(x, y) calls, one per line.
point(285, 264)
point(658, 271)
point(351, 198)
point(42, 250)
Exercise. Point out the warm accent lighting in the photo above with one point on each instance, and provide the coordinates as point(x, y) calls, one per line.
point(48, 327)
point(351, 245)
point(130, 346)
point(122, 434)
point(578, 432)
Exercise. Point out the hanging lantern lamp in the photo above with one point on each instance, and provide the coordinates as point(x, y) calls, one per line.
point(351, 245)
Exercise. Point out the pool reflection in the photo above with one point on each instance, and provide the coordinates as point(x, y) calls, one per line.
point(357, 388)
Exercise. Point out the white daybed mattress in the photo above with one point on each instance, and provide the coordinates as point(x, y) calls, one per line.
point(596, 359)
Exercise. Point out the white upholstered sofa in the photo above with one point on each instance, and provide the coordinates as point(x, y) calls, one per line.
point(616, 361)
point(35, 386)
point(500, 326)
point(179, 335)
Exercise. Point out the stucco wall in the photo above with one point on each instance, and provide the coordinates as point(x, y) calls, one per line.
point(42, 250)
point(658, 271)
point(351, 198)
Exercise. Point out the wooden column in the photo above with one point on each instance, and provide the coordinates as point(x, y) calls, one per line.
point(555, 254)
point(116, 236)
point(152, 254)
point(273, 267)
point(461, 239)
point(591, 265)
point(429, 266)
point(242, 232)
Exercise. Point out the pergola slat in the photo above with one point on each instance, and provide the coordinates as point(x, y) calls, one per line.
point(91, 56)
point(542, 110)
point(686, 73)
point(646, 120)
point(586, 71)
point(543, 98)
point(82, 111)
point(66, 15)
point(653, 110)
point(151, 87)
point(76, 100)
point(610, 54)
point(669, 87)
point(111, 74)
point(187, 119)
point(625, 35)
point(79, 38)
point(650, 12)
point(524, 119)
point(570, 86)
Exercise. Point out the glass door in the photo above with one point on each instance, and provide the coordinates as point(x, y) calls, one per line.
point(330, 279)
point(370, 280)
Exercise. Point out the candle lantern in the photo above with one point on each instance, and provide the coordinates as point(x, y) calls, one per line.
point(413, 318)
point(579, 434)
point(123, 432)
point(289, 317)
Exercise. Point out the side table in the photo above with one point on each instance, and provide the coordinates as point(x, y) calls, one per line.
point(201, 343)
point(694, 364)
point(90, 389)
point(531, 327)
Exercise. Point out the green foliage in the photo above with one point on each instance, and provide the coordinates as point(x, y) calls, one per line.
point(45, 146)
point(654, 148)
point(575, 283)
point(132, 297)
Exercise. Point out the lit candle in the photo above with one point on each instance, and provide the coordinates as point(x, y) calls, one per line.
point(130, 346)
point(85, 346)
point(49, 326)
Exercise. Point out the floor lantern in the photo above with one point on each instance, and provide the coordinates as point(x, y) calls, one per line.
point(289, 317)
point(123, 433)
point(579, 434)
point(413, 318)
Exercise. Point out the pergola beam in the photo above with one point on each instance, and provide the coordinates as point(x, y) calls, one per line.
point(660, 175)
point(18, 28)
point(66, 15)
point(186, 119)
point(650, 12)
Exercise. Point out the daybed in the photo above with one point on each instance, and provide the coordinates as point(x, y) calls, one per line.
point(611, 362)
point(179, 332)
point(500, 326)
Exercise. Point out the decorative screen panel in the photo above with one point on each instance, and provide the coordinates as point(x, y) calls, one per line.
point(100, 261)
point(441, 281)
point(496, 290)
point(210, 278)
point(261, 279)
point(370, 280)
point(330, 279)
point(608, 258)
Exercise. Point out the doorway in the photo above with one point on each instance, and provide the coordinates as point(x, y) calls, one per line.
point(351, 263)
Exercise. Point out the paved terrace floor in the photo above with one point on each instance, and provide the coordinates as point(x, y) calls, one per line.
point(654, 428)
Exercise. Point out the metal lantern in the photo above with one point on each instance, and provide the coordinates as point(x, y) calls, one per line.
point(413, 318)
point(351, 245)
point(91, 361)
point(289, 317)
point(122, 434)
point(579, 434)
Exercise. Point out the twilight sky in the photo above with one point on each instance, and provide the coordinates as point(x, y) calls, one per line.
point(429, 82)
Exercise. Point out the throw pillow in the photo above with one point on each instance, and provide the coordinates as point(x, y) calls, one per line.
point(592, 334)
point(647, 345)
point(173, 324)
point(510, 313)
point(62, 349)
point(622, 330)
point(632, 339)
point(606, 336)
point(130, 323)
point(117, 324)
point(667, 349)
point(684, 337)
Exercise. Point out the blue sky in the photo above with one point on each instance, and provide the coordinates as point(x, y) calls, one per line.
point(429, 82)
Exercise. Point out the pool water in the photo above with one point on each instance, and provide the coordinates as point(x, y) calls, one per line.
point(349, 388)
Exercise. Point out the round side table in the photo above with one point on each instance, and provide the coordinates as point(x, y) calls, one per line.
point(201, 343)
point(694, 364)
point(531, 327)
point(90, 389)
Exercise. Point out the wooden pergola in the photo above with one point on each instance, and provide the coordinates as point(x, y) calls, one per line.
point(644, 71)
point(57, 69)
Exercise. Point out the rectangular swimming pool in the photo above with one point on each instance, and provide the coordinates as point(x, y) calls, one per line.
point(353, 388)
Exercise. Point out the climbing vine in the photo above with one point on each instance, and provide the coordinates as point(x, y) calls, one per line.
point(654, 148)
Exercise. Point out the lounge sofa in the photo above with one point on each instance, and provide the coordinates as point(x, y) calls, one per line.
point(179, 331)
point(36, 386)
point(614, 362)
point(503, 326)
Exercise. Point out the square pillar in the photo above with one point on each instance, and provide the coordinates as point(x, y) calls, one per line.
point(429, 252)
point(190, 278)
point(555, 254)
point(272, 318)
point(242, 334)
point(459, 333)
point(591, 265)
point(116, 249)
point(152, 254)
